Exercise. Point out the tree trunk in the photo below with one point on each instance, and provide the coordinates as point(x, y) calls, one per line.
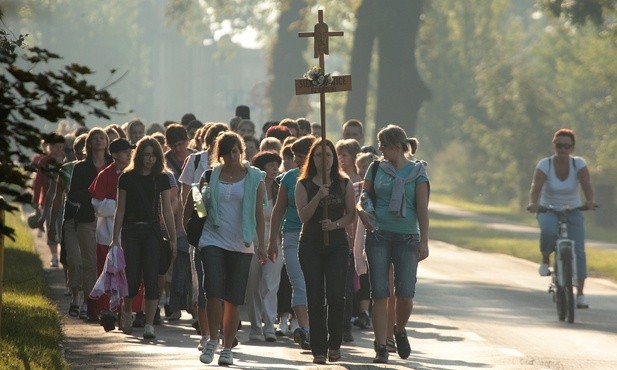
point(288, 64)
point(361, 53)
point(400, 91)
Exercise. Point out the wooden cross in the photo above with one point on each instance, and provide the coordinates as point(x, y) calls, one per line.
point(306, 86)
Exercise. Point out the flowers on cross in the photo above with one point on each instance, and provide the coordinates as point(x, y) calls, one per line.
point(318, 78)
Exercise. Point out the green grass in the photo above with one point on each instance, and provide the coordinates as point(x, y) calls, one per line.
point(31, 329)
point(473, 235)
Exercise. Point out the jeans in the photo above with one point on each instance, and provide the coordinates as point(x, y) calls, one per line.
point(325, 271)
point(294, 271)
point(141, 253)
point(225, 273)
point(384, 248)
point(549, 233)
point(74, 265)
point(86, 237)
point(181, 281)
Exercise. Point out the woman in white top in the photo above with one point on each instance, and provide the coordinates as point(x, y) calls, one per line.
point(557, 182)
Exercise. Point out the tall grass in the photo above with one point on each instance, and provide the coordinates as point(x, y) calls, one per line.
point(31, 329)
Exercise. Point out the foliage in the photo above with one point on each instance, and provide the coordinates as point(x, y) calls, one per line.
point(579, 12)
point(31, 331)
point(28, 95)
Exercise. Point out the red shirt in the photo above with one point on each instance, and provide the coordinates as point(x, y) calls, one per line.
point(105, 185)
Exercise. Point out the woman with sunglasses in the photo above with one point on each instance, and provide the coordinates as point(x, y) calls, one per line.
point(557, 182)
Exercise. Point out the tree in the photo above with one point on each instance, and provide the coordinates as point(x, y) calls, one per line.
point(26, 97)
point(401, 91)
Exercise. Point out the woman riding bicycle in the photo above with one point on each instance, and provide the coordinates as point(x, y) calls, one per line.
point(556, 183)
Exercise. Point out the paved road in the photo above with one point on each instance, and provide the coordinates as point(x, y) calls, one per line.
point(472, 310)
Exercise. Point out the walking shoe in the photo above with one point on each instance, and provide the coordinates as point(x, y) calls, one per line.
point(319, 359)
point(283, 329)
point(83, 311)
point(334, 355)
point(149, 332)
point(202, 342)
point(581, 302)
point(254, 336)
point(347, 336)
point(208, 352)
point(363, 321)
point(127, 322)
point(167, 309)
point(543, 270)
point(157, 317)
point(108, 320)
point(226, 357)
point(270, 337)
point(293, 325)
point(301, 337)
point(381, 354)
point(402, 344)
point(174, 316)
point(74, 310)
point(140, 320)
point(54, 261)
point(391, 345)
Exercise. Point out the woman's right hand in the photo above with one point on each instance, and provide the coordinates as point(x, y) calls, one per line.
point(532, 207)
point(324, 191)
point(368, 220)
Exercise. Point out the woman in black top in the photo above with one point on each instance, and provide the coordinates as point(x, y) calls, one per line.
point(84, 172)
point(142, 188)
point(324, 263)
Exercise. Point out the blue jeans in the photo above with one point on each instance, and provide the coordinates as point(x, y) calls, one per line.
point(325, 271)
point(294, 271)
point(225, 273)
point(384, 248)
point(141, 253)
point(181, 281)
point(549, 233)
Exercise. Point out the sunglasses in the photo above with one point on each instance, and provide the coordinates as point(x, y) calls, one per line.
point(563, 146)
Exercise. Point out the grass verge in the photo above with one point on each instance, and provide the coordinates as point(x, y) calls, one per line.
point(31, 329)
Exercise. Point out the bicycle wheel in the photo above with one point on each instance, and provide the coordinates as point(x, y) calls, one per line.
point(566, 256)
point(560, 302)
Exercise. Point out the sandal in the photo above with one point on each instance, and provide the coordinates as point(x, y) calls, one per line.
point(74, 310)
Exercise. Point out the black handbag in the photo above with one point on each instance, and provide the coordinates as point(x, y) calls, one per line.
point(195, 224)
point(165, 254)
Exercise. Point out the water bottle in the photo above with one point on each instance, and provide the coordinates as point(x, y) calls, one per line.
point(200, 206)
point(366, 205)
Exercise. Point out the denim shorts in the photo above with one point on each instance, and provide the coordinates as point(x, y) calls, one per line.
point(384, 248)
point(225, 273)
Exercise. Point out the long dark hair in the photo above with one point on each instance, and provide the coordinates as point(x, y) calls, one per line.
point(309, 170)
point(137, 161)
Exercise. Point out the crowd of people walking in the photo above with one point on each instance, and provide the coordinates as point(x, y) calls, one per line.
point(312, 235)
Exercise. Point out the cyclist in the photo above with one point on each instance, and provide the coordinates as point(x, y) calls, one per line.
point(557, 182)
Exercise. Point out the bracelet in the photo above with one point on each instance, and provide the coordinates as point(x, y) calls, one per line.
point(337, 224)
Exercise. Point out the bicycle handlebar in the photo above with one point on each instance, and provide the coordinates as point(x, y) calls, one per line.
point(543, 209)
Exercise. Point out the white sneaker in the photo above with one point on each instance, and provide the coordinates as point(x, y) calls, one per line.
point(226, 357)
point(256, 336)
point(149, 332)
point(283, 327)
point(581, 302)
point(544, 270)
point(202, 342)
point(292, 327)
point(270, 337)
point(54, 261)
point(208, 353)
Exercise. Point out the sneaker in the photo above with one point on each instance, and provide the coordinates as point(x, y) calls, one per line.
point(226, 357)
point(402, 344)
point(256, 337)
point(202, 342)
point(149, 332)
point(167, 309)
point(319, 359)
point(208, 352)
point(140, 320)
point(270, 337)
point(54, 261)
point(347, 336)
point(391, 345)
point(581, 302)
point(292, 327)
point(74, 310)
point(334, 355)
point(157, 317)
point(543, 270)
point(108, 320)
point(283, 329)
point(363, 321)
point(174, 316)
point(381, 354)
point(127, 322)
point(83, 311)
point(301, 337)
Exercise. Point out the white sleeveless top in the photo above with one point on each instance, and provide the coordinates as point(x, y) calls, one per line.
point(559, 193)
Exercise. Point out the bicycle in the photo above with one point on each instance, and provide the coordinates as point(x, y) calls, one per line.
point(564, 275)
